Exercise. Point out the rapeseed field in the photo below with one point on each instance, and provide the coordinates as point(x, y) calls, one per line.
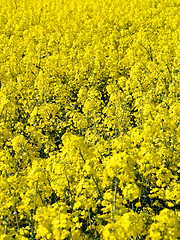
point(89, 119)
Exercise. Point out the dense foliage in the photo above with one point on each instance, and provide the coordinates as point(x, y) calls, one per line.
point(89, 119)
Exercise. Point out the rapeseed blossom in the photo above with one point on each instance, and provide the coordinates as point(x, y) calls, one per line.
point(89, 119)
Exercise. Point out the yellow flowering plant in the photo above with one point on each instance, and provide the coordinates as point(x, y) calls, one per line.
point(89, 119)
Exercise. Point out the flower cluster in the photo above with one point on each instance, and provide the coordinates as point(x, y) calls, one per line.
point(89, 119)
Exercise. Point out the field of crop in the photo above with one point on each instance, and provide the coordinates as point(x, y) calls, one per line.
point(89, 119)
